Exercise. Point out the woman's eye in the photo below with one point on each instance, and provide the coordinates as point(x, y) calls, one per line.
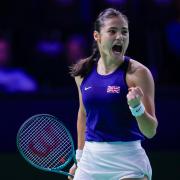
point(125, 32)
point(112, 31)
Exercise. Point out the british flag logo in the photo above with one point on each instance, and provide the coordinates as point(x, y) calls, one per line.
point(113, 89)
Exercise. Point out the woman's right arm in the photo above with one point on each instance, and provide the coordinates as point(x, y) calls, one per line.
point(81, 118)
point(81, 126)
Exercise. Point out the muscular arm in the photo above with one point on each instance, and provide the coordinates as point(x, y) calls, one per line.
point(81, 118)
point(143, 81)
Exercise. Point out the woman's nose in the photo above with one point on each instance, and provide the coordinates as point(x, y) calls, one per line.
point(119, 36)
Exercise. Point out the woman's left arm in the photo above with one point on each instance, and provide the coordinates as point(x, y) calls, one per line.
point(143, 92)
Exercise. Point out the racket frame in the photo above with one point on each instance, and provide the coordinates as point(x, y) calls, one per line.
point(57, 170)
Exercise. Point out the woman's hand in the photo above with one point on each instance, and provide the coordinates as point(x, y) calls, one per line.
point(134, 96)
point(72, 171)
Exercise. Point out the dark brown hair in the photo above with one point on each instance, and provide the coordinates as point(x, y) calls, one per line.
point(84, 66)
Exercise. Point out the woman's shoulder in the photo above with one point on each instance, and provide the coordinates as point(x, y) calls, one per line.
point(78, 80)
point(137, 72)
point(135, 67)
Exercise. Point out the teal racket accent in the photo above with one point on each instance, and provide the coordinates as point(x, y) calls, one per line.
point(45, 143)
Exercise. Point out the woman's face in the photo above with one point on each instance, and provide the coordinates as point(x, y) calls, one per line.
point(113, 38)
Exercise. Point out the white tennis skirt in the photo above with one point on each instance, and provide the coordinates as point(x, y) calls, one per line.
point(113, 161)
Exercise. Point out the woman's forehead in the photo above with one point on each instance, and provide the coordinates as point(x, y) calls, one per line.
point(115, 22)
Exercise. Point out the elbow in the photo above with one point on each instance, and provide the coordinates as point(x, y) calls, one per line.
point(152, 133)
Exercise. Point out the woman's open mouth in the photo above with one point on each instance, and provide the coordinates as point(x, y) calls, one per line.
point(117, 49)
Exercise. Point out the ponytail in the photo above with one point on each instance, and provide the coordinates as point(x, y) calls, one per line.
point(84, 66)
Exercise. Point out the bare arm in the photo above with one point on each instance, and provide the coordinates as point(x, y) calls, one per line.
point(81, 126)
point(143, 91)
point(81, 118)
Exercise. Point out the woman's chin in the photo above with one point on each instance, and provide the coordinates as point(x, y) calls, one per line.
point(117, 55)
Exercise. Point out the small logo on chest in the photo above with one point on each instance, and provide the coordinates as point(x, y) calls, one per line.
point(86, 88)
point(113, 89)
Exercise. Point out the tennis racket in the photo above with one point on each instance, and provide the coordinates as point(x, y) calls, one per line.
point(46, 143)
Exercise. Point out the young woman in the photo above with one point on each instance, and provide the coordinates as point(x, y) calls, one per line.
point(116, 112)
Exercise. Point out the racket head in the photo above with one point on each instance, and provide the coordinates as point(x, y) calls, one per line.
point(45, 142)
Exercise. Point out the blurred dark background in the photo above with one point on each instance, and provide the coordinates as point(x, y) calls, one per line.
point(40, 39)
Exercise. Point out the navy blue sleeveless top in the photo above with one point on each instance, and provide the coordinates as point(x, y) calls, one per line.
point(108, 117)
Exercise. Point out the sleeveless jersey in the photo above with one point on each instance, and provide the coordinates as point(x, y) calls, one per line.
point(108, 117)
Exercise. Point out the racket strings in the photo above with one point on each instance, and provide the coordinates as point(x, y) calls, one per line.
point(32, 132)
point(59, 155)
point(46, 135)
point(59, 159)
point(52, 139)
point(49, 158)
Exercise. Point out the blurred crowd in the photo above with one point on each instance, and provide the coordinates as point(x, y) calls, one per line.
point(41, 39)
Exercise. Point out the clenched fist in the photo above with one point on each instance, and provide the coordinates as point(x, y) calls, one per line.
point(134, 96)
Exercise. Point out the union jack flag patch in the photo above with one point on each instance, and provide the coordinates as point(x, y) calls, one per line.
point(113, 89)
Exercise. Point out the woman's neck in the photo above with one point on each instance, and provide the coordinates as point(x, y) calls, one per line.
point(105, 67)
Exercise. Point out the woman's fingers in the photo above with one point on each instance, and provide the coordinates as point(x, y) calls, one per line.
point(134, 96)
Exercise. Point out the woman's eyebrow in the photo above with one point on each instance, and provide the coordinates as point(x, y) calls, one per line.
point(113, 28)
point(116, 28)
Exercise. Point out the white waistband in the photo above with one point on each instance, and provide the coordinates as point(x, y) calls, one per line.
point(112, 146)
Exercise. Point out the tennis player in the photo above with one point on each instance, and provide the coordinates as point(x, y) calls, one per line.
point(117, 111)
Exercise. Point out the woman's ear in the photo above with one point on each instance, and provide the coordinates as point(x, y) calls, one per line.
point(96, 36)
